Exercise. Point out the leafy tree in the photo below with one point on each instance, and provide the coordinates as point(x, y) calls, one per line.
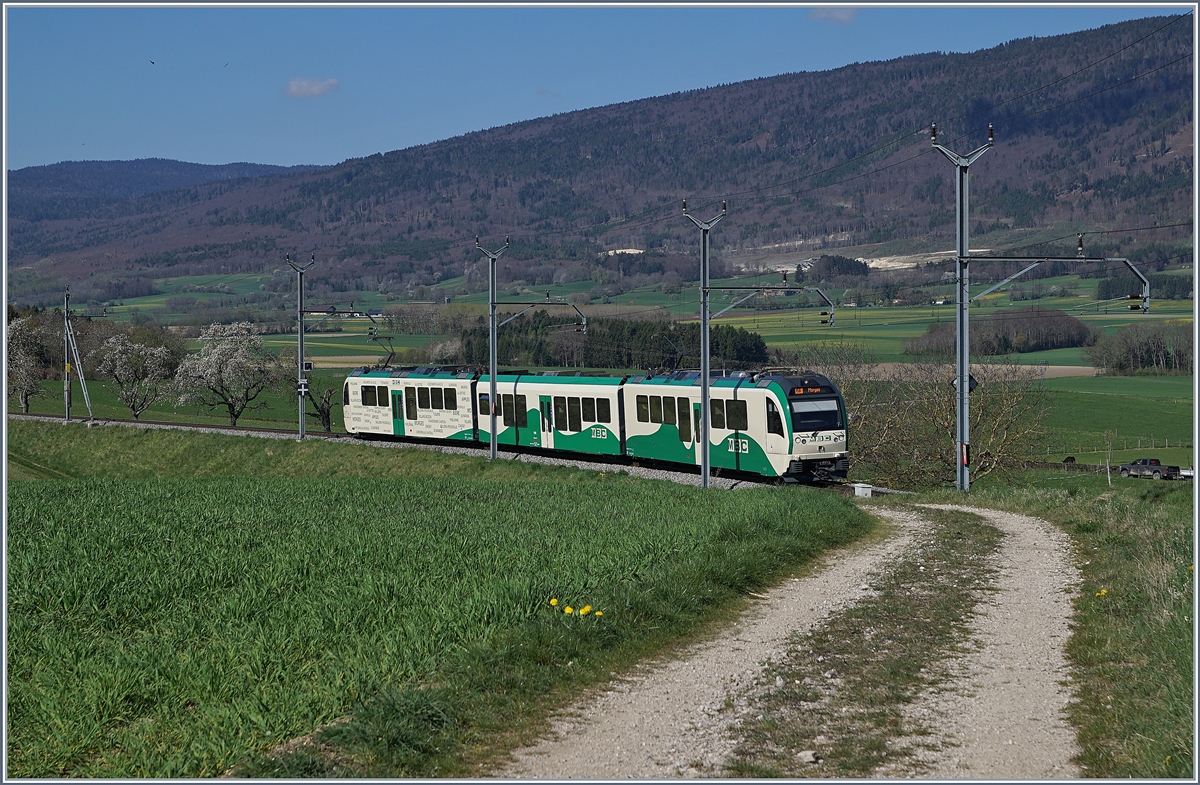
point(23, 367)
point(231, 370)
point(140, 373)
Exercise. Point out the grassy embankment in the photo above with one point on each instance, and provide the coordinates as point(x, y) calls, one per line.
point(182, 603)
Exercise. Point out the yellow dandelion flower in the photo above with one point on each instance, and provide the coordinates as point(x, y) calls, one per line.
point(568, 609)
point(1102, 593)
point(554, 601)
point(585, 610)
point(599, 613)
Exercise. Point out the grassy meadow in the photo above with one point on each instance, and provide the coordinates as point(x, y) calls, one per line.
point(181, 603)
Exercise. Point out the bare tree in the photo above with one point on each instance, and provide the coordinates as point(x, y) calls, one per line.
point(902, 418)
point(231, 370)
point(323, 405)
point(140, 373)
point(24, 372)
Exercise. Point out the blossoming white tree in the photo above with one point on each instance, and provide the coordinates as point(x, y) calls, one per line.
point(231, 370)
point(23, 376)
point(139, 373)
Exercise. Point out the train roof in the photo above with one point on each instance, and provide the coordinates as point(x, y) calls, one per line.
point(685, 378)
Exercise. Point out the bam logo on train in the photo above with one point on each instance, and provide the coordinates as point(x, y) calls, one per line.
point(766, 424)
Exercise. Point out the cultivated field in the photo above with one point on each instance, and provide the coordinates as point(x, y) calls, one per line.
point(180, 603)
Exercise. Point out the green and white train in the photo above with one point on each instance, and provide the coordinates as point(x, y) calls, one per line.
point(764, 424)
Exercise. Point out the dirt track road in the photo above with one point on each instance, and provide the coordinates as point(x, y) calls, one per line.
point(1000, 717)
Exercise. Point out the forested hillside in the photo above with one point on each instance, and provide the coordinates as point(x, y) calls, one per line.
point(74, 188)
point(1093, 132)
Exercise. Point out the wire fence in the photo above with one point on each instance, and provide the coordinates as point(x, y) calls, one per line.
point(1119, 444)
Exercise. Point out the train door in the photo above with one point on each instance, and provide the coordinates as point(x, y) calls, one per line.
point(696, 432)
point(776, 437)
point(397, 412)
point(683, 423)
point(546, 419)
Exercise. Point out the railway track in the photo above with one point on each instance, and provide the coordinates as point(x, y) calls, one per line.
point(641, 468)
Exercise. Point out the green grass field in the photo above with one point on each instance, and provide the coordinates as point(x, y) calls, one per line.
point(1143, 416)
point(181, 603)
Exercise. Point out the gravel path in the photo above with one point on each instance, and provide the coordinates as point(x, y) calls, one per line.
point(671, 718)
point(1002, 714)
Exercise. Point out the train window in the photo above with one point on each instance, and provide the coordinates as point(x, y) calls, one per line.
point(410, 402)
point(436, 401)
point(547, 421)
point(669, 410)
point(522, 413)
point(383, 397)
point(685, 422)
point(451, 400)
point(574, 424)
point(815, 415)
point(423, 397)
point(603, 410)
point(368, 395)
point(506, 401)
point(346, 394)
point(643, 409)
point(716, 412)
point(735, 416)
point(589, 409)
point(560, 412)
point(484, 410)
point(655, 408)
point(774, 421)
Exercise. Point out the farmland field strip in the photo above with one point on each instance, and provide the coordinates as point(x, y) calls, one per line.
point(198, 621)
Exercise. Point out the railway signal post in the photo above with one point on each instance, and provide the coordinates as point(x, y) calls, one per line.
point(705, 228)
point(492, 257)
point(301, 382)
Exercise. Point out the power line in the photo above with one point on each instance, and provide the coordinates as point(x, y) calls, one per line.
point(1098, 231)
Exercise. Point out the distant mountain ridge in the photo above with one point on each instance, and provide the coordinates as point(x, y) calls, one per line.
point(807, 160)
point(64, 189)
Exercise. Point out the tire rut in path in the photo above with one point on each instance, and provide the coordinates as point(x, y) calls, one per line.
point(670, 718)
point(1002, 714)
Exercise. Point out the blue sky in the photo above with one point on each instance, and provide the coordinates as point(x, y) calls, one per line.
point(320, 85)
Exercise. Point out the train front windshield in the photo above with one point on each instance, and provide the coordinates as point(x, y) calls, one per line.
point(812, 415)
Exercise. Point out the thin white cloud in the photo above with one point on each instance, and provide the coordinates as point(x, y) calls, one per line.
point(548, 93)
point(840, 15)
point(307, 88)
